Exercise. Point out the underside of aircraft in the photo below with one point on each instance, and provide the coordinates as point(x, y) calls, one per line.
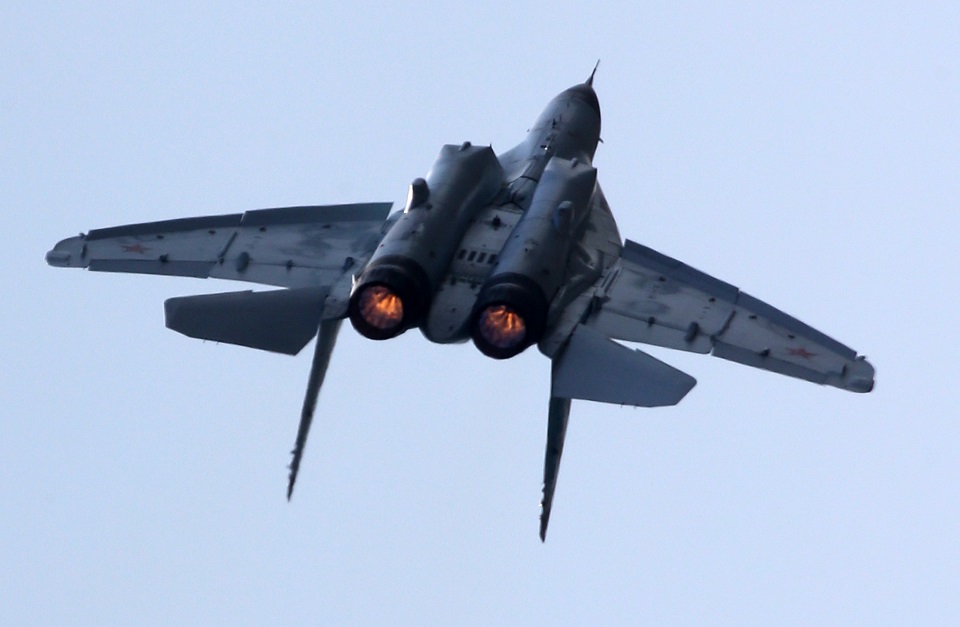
point(506, 250)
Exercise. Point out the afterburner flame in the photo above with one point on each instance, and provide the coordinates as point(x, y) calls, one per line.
point(502, 327)
point(380, 307)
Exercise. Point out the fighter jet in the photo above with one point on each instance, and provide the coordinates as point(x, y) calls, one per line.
point(506, 250)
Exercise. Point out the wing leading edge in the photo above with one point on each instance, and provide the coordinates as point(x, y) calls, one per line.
point(651, 298)
point(286, 247)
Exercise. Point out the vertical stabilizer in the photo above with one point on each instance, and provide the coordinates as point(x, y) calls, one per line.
point(326, 339)
point(559, 413)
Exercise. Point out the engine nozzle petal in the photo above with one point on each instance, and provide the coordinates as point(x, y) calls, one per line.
point(380, 307)
point(390, 297)
point(502, 327)
point(509, 316)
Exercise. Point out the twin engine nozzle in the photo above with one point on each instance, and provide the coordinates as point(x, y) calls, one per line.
point(510, 313)
point(395, 290)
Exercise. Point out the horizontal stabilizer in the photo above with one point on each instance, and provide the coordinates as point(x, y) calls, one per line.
point(595, 368)
point(280, 321)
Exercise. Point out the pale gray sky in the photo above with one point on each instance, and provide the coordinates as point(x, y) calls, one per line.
point(808, 154)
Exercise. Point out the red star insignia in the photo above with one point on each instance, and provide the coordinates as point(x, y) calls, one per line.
point(134, 248)
point(801, 352)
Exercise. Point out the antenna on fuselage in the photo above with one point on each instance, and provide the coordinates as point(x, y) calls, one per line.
point(589, 81)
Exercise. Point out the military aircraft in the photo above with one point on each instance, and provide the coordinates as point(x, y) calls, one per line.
point(508, 250)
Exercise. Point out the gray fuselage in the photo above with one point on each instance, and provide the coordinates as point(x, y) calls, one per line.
point(485, 235)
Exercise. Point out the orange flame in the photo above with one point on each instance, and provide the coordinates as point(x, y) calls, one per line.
point(380, 307)
point(502, 327)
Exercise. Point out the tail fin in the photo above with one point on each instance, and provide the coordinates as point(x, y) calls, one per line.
point(559, 413)
point(326, 340)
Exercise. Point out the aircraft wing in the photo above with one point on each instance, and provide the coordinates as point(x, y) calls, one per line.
point(293, 247)
point(652, 298)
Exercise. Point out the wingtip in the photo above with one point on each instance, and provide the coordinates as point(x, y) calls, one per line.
point(859, 376)
point(69, 253)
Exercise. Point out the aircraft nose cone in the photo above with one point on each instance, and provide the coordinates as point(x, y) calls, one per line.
point(585, 94)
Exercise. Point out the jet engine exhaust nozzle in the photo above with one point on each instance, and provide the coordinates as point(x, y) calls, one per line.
point(502, 330)
point(380, 308)
point(510, 316)
point(390, 298)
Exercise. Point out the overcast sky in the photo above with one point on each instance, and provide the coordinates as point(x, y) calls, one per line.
point(807, 153)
